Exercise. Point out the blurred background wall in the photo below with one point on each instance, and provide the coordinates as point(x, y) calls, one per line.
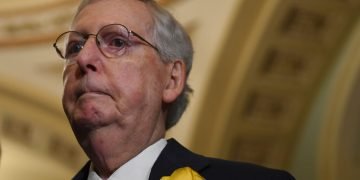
point(276, 83)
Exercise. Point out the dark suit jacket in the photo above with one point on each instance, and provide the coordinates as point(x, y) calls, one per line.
point(175, 156)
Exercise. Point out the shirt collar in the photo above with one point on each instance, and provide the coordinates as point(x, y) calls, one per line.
point(138, 168)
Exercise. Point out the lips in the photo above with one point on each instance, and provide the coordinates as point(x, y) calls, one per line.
point(81, 93)
point(87, 88)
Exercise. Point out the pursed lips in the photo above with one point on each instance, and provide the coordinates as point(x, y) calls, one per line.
point(89, 87)
point(86, 91)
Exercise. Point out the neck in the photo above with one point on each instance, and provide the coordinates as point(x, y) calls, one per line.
point(108, 153)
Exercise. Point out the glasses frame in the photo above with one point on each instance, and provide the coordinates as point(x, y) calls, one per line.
point(86, 36)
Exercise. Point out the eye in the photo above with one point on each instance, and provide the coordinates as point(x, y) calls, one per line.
point(117, 43)
point(114, 41)
point(73, 48)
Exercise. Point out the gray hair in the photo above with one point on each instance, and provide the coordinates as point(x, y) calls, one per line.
point(173, 43)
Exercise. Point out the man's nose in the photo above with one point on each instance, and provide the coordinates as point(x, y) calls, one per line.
point(89, 56)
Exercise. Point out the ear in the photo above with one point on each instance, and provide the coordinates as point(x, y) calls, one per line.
point(176, 82)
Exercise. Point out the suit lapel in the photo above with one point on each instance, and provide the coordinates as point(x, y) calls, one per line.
point(176, 156)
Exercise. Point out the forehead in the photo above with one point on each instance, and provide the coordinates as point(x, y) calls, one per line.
point(134, 14)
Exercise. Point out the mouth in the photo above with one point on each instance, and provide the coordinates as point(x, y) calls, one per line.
point(90, 88)
point(90, 93)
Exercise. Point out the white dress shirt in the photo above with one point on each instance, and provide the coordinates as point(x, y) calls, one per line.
point(138, 168)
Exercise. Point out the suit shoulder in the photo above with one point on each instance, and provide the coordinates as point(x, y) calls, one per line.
point(83, 173)
point(175, 156)
point(235, 170)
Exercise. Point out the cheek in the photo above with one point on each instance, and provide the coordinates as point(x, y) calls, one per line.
point(138, 84)
point(68, 97)
point(67, 92)
point(67, 101)
point(130, 82)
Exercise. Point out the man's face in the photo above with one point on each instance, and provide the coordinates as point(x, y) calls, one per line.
point(115, 101)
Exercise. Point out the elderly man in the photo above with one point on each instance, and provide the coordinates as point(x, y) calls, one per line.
point(127, 62)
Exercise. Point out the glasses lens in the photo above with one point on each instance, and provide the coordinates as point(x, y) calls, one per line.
point(69, 44)
point(113, 40)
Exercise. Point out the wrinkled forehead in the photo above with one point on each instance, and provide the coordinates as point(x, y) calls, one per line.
point(94, 14)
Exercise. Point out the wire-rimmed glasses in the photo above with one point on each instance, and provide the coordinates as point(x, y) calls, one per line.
point(112, 41)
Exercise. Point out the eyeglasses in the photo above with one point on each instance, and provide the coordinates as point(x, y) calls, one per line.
point(112, 41)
